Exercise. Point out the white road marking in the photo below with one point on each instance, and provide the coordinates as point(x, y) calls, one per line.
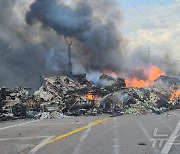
point(19, 124)
point(171, 140)
point(23, 138)
point(68, 123)
point(154, 151)
point(116, 140)
point(20, 148)
point(43, 143)
point(144, 130)
point(116, 146)
point(83, 137)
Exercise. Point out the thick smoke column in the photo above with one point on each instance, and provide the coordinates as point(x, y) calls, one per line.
point(34, 37)
point(26, 52)
point(64, 20)
point(98, 42)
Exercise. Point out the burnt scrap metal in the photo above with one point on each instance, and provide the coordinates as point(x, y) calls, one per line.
point(13, 102)
point(170, 80)
point(169, 87)
point(75, 95)
point(16, 95)
point(112, 84)
point(70, 93)
point(19, 110)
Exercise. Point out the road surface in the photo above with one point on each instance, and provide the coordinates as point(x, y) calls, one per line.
point(127, 134)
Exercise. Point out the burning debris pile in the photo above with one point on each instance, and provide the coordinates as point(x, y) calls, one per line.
point(14, 102)
point(43, 35)
point(148, 90)
point(67, 93)
point(75, 95)
point(143, 100)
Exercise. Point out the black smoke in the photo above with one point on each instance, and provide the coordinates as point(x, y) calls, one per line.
point(61, 18)
point(97, 44)
point(34, 36)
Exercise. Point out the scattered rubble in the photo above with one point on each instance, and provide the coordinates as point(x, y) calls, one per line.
point(73, 95)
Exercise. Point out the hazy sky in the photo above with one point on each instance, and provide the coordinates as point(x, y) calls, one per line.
point(127, 4)
point(141, 23)
point(151, 23)
point(154, 23)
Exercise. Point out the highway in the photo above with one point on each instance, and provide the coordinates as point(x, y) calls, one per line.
point(103, 134)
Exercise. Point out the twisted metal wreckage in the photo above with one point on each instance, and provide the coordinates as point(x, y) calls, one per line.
point(75, 95)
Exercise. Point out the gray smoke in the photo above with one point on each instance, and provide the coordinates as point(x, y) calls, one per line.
point(137, 63)
point(62, 19)
point(26, 51)
point(98, 42)
point(34, 36)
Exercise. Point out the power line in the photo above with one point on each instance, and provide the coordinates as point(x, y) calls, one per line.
point(169, 16)
point(156, 12)
point(143, 15)
point(148, 19)
point(176, 13)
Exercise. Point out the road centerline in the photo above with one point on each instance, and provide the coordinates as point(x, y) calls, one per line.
point(77, 130)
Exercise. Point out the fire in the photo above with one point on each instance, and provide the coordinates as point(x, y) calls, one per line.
point(136, 83)
point(174, 96)
point(141, 77)
point(90, 96)
point(144, 77)
point(151, 73)
point(93, 97)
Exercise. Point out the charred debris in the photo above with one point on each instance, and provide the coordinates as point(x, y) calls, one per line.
point(74, 95)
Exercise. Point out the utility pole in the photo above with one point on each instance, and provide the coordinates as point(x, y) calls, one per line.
point(149, 52)
point(69, 55)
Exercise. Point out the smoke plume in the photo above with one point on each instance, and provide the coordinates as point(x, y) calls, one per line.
point(98, 40)
point(34, 37)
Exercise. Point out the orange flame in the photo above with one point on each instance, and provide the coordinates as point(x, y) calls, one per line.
point(147, 76)
point(174, 96)
point(90, 96)
point(151, 73)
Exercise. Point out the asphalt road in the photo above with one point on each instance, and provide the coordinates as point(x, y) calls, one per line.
point(127, 134)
